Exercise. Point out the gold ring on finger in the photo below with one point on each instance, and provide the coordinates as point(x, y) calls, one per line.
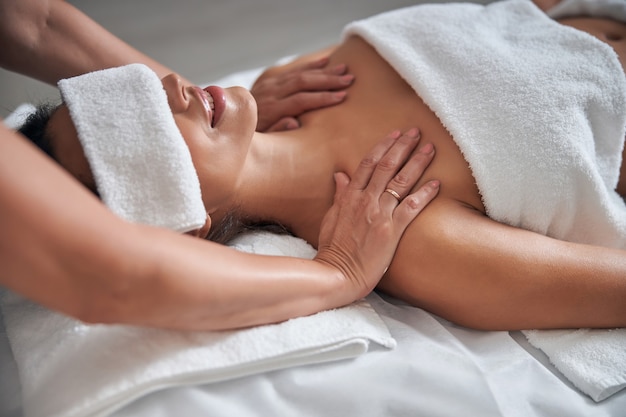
point(393, 193)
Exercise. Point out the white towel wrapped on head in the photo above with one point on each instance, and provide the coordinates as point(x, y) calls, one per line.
point(139, 159)
point(538, 110)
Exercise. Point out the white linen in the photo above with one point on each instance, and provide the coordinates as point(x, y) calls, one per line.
point(543, 136)
point(18, 116)
point(139, 159)
point(71, 369)
point(437, 370)
point(592, 359)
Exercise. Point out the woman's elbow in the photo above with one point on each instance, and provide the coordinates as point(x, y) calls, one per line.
point(22, 25)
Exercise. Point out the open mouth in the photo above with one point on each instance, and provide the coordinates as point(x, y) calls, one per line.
point(216, 100)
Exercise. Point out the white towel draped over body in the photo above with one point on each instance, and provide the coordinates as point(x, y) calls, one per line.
point(538, 110)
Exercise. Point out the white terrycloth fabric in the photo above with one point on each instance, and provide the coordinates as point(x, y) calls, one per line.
point(592, 359)
point(71, 369)
point(538, 110)
point(139, 159)
point(19, 116)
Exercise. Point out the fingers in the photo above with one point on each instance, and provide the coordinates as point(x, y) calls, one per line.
point(305, 91)
point(341, 183)
point(360, 232)
point(318, 80)
point(393, 173)
point(413, 204)
point(286, 123)
point(309, 86)
point(370, 163)
point(298, 103)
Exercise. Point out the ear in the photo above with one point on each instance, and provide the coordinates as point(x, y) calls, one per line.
point(203, 232)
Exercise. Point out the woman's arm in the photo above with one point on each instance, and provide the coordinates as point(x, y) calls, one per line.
point(461, 265)
point(62, 248)
point(50, 40)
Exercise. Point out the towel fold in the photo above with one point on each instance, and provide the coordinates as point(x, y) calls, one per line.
point(139, 159)
point(592, 359)
point(71, 369)
point(538, 110)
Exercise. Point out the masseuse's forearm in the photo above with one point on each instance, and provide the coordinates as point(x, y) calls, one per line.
point(229, 290)
point(50, 40)
point(62, 248)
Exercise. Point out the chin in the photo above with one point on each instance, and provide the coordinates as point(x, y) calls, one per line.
point(247, 109)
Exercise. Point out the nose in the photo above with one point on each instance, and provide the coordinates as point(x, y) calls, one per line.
point(177, 97)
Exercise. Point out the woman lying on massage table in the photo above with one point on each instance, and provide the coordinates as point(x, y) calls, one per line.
point(85, 262)
point(556, 264)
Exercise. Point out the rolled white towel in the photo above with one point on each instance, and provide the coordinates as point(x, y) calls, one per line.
point(140, 161)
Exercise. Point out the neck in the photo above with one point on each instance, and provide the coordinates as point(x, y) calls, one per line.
point(288, 181)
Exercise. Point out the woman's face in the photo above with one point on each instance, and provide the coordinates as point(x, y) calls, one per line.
point(217, 125)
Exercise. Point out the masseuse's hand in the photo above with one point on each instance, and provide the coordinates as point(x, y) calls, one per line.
point(361, 231)
point(282, 97)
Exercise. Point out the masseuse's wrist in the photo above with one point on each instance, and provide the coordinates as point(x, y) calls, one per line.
point(344, 286)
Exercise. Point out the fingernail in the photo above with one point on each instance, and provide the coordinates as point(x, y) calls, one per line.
point(291, 124)
point(427, 149)
point(347, 79)
point(434, 184)
point(340, 95)
point(414, 132)
point(395, 134)
point(339, 69)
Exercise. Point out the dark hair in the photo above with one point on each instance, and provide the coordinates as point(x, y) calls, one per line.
point(232, 224)
point(35, 127)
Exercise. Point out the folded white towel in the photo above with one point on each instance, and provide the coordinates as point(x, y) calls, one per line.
point(539, 111)
point(19, 116)
point(139, 159)
point(592, 359)
point(71, 369)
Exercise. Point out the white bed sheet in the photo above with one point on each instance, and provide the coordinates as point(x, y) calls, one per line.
point(437, 369)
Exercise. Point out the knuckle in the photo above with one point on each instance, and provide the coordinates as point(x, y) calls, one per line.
point(388, 164)
point(301, 81)
point(369, 162)
point(402, 180)
point(419, 199)
point(414, 202)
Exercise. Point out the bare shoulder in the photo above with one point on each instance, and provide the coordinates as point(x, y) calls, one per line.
point(546, 5)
